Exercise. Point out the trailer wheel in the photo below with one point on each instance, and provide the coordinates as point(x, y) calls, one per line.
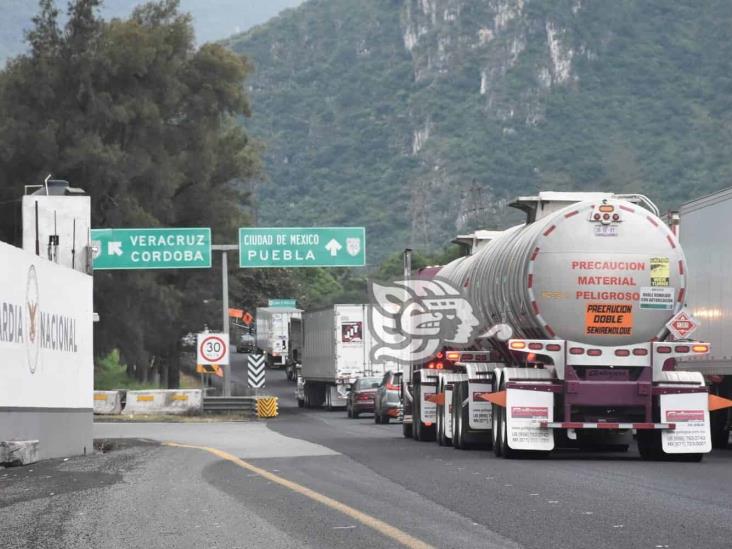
point(407, 429)
point(457, 438)
point(496, 432)
point(720, 431)
point(384, 419)
point(416, 414)
point(300, 403)
point(441, 439)
point(649, 445)
point(377, 418)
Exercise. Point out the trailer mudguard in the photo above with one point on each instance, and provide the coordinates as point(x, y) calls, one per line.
point(480, 409)
point(526, 408)
point(447, 411)
point(690, 413)
point(427, 405)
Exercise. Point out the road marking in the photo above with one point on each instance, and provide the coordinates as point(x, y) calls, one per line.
point(379, 525)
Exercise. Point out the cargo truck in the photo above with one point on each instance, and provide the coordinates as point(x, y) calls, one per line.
point(573, 306)
point(273, 333)
point(703, 227)
point(336, 352)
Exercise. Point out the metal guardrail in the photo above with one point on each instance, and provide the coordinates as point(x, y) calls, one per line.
point(230, 404)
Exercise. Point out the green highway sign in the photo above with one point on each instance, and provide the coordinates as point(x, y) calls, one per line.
point(289, 303)
point(168, 248)
point(302, 247)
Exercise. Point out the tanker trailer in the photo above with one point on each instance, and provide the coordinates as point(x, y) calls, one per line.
point(586, 286)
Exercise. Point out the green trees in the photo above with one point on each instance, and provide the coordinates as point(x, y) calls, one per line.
point(133, 113)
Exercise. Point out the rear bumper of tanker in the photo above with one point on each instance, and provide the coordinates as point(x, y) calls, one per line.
point(589, 397)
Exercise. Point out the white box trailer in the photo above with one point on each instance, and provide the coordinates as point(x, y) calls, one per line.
point(704, 232)
point(273, 332)
point(336, 353)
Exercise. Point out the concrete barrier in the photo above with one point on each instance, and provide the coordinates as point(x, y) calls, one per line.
point(165, 401)
point(18, 452)
point(107, 402)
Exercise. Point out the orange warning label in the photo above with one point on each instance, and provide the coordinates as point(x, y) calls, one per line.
point(609, 319)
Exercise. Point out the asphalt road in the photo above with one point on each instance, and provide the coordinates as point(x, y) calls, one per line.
point(151, 495)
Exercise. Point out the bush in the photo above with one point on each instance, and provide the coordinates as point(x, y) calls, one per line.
point(111, 374)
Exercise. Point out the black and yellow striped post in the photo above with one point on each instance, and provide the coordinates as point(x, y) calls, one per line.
point(266, 406)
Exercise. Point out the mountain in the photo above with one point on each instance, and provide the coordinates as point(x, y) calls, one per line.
point(421, 118)
point(212, 19)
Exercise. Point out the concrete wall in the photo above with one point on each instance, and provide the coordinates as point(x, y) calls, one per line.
point(46, 354)
point(59, 214)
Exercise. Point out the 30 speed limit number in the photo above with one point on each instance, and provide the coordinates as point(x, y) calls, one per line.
point(212, 349)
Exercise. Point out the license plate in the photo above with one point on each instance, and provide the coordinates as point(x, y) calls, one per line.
point(606, 230)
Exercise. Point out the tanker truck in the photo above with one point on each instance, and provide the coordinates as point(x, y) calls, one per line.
point(573, 307)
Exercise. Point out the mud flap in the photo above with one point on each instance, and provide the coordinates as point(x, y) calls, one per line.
point(427, 408)
point(447, 413)
point(480, 410)
point(524, 411)
point(690, 413)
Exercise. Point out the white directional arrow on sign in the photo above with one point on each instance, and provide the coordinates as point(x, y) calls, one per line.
point(333, 246)
point(114, 248)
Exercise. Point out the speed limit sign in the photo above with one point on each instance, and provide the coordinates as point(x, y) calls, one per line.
point(212, 348)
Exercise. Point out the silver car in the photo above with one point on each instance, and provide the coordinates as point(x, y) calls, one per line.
point(387, 404)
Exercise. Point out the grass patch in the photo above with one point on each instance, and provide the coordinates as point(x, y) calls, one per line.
point(110, 374)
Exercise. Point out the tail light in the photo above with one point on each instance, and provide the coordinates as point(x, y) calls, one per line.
point(364, 396)
point(518, 345)
point(390, 387)
point(700, 348)
point(682, 349)
point(467, 356)
point(453, 356)
point(536, 346)
point(594, 352)
point(553, 347)
point(640, 352)
point(606, 208)
point(439, 366)
point(576, 351)
point(622, 352)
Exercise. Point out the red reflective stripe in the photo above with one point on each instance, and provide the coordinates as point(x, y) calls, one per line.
point(644, 426)
point(681, 267)
point(570, 214)
point(530, 281)
point(627, 209)
point(682, 293)
point(653, 221)
point(535, 307)
point(670, 240)
point(549, 230)
point(533, 255)
point(549, 330)
point(608, 425)
point(572, 425)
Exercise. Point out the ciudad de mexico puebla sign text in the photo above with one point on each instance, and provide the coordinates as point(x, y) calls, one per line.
point(302, 247)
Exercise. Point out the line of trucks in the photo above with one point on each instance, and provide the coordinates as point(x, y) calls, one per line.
point(576, 309)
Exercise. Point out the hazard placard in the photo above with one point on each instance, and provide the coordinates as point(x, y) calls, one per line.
point(212, 348)
point(614, 319)
point(682, 325)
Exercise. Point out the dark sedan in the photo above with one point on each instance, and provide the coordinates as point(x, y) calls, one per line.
point(361, 396)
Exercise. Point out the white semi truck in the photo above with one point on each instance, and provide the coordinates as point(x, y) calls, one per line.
point(273, 334)
point(704, 231)
point(336, 353)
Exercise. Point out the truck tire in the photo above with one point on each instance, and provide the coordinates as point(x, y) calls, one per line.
point(440, 429)
point(649, 445)
point(506, 451)
point(384, 419)
point(406, 429)
point(457, 424)
point(496, 432)
point(300, 403)
point(720, 431)
point(416, 413)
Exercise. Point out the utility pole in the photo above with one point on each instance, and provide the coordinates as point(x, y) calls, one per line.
point(224, 248)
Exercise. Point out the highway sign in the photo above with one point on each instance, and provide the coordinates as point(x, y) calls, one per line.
point(302, 247)
point(682, 325)
point(256, 371)
point(152, 248)
point(288, 303)
point(212, 348)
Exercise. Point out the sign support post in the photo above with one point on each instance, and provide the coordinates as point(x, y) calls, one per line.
point(223, 248)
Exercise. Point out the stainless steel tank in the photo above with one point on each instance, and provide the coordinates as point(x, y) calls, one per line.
point(603, 272)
